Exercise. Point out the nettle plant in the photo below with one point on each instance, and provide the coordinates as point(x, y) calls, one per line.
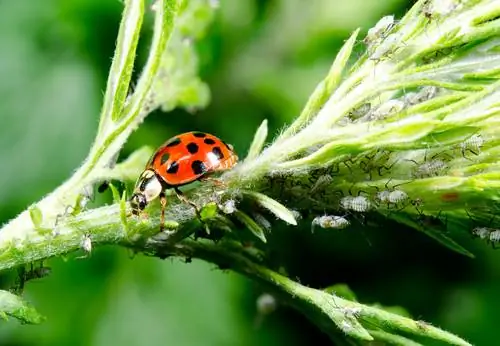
point(407, 134)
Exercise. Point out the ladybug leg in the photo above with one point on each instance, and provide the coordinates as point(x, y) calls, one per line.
point(215, 181)
point(184, 199)
point(163, 203)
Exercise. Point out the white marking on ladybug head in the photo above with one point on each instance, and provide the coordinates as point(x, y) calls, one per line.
point(148, 188)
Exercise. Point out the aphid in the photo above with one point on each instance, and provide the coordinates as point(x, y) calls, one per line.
point(322, 182)
point(387, 46)
point(383, 26)
point(472, 144)
point(495, 236)
point(330, 221)
point(262, 221)
point(481, 232)
point(383, 196)
point(181, 160)
point(378, 161)
point(426, 93)
point(229, 206)
point(86, 244)
point(266, 304)
point(417, 203)
point(296, 214)
point(431, 221)
point(397, 196)
point(351, 312)
point(386, 109)
point(431, 168)
point(37, 273)
point(346, 327)
point(440, 8)
point(359, 203)
point(360, 111)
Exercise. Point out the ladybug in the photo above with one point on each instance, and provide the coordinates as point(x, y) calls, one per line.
point(181, 160)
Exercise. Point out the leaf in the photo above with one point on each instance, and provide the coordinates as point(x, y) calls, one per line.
point(258, 141)
point(324, 89)
point(435, 234)
point(123, 208)
point(115, 193)
point(12, 305)
point(338, 66)
point(251, 225)
point(123, 62)
point(273, 206)
point(448, 242)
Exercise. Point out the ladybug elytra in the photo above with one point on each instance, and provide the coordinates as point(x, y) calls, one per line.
point(181, 160)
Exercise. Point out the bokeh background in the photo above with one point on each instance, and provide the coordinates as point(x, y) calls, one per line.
point(261, 60)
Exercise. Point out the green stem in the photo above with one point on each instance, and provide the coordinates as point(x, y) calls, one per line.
point(123, 63)
point(322, 308)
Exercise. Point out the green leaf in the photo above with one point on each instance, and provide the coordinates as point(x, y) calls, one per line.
point(115, 193)
point(165, 16)
point(123, 61)
point(436, 234)
point(12, 305)
point(251, 225)
point(123, 208)
point(273, 206)
point(177, 83)
point(258, 141)
point(324, 89)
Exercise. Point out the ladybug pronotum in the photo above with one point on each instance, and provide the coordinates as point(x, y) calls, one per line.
point(179, 161)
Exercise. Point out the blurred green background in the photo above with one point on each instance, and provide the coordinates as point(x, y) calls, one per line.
point(261, 60)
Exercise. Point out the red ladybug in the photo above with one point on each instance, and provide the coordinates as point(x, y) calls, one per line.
point(179, 161)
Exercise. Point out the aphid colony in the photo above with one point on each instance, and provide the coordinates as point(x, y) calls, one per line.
point(340, 206)
point(380, 110)
point(193, 156)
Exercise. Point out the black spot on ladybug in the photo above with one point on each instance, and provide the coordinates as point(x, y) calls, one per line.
point(229, 146)
point(164, 158)
point(209, 141)
point(199, 134)
point(192, 148)
point(198, 167)
point(174, 142)
point(173, 168)
point(217, 152)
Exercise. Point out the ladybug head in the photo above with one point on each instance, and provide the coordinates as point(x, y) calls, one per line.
point(138, 202)
point(148, 188)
